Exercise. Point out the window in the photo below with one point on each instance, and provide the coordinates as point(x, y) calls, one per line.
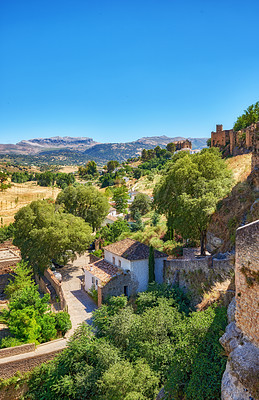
point(92, 279)
point(113, 260)
point(126, 290)
point(119, 263)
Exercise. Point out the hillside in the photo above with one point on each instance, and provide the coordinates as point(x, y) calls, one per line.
point(68, 150)
point(240, 207)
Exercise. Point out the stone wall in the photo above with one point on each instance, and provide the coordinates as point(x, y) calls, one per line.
point(197, 274)
point(115, 287)
point(14, 351)
point(56, 285)
point(8, 369)
point(247, 280)
point(241, 339)
point(239, 142)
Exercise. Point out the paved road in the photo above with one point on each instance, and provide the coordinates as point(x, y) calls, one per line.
point(80, 308)
point(80, 305)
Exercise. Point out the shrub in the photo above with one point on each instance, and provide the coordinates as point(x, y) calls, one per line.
point(63, 322)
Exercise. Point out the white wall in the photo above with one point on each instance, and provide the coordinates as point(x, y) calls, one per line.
point(125, 264)
point(140, 273)
point(88, 281)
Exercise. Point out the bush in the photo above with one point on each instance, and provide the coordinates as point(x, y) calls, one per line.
point(10, 341)
point(94, 293)
point(63, 322)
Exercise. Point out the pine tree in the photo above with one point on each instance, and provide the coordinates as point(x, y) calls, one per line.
point(151, 265)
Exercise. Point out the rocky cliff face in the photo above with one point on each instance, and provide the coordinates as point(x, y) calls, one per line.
point(241, 339)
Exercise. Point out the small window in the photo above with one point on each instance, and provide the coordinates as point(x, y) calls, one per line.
point(92, 279)
point(96, 282)
point(119, 263)
point(113, 260)
point(126, 291)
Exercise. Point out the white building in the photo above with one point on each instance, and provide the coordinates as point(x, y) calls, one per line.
point(127, 257)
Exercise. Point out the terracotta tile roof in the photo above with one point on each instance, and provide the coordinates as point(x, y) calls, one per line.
point(103, 270)
point(132, 250)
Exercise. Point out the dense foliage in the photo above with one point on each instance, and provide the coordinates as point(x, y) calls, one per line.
point(141, 203)
point(111, 232)
point(86, 202)
point(250, 116)
point(28, 316)
point(47, 178)
point(137, 348)
point(43, 233)
point(189, 191)
point(120, 198)
point(6, 232)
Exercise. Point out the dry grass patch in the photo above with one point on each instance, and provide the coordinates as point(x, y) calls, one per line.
point(21, 194)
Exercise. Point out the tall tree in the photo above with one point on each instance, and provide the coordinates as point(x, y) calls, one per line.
point(43, 234)
point(151, 265)
point(141, 203)
point(171, 147)
point(120, 197)
point(111, 165)
point(86, 202)
point(189, 192)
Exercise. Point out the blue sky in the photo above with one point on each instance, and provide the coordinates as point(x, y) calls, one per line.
point(119, 70)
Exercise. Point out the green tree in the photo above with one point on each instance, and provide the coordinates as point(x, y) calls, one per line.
point(112, 232)
point(188, 194)
point(90, 169)
point(126, 381)
point(138, 224)
point(171, 147)
point(3, 181)
point(120, 197)
point(111, 165)
point(22, 278)
point(151, 265)
point(250, 116)
point(43, 234)
point(209, 142)
point(142, 203)
point(86, 202)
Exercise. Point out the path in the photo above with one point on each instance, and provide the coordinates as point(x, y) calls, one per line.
point(80, 305)
point(80, 308)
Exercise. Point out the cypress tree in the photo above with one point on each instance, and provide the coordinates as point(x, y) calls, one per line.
point(151, 265)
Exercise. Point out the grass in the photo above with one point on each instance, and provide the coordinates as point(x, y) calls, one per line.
point(21, 194)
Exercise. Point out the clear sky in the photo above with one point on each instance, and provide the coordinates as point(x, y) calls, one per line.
point(117, 70)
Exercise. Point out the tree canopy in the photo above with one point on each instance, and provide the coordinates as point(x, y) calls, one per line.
point(43, 233)
point(141, 203)
point(120, 197)
point(86, 202)
point(250, 116)
point(190, 190)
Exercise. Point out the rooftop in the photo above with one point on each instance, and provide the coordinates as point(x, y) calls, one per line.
point(132, 250)
point(9, 257)
point(103, 270)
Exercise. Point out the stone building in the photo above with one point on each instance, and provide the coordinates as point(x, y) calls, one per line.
point(183, 144)
point(237, 142)
point(124, 269)
point(241, 339)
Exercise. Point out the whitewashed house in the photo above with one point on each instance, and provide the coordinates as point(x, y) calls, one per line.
point(124, 269)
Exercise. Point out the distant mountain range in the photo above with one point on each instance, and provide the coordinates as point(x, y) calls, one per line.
point(84, 148)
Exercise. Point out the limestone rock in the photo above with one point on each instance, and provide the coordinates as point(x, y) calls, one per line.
point(231, 338)
point(231, 388)
point(213, 242)
point(231, 311)
point(244, 362)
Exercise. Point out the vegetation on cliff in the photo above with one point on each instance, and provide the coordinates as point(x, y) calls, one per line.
point(250, 116)
point(138, 347)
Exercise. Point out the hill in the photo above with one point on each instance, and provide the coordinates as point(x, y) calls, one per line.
point(77, 150)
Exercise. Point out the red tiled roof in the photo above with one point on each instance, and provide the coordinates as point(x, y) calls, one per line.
point(132, 250)
point(103, 270)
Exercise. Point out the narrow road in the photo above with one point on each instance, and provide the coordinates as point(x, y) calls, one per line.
point(80, 305)
point(80, 308)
